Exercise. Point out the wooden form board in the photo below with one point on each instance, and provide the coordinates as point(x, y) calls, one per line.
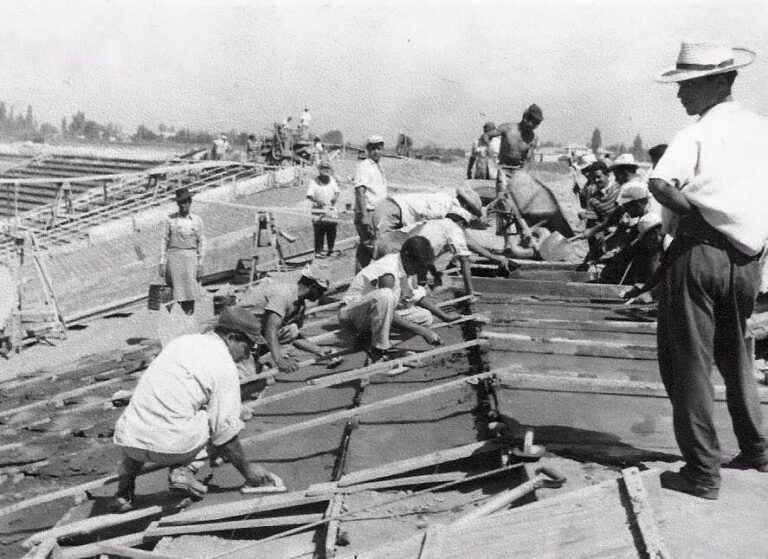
point(570, 290)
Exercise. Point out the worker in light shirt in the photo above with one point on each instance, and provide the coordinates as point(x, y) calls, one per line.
point(370, 190)
point(712, 181)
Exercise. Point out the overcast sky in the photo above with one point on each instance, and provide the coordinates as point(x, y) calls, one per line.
point(434, 69)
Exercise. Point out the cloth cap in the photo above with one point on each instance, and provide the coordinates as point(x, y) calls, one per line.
point(240, 320)
point(325, 165)
point(697, 60)
point(595, 166)
point(624, 160)
point(488, 126)
point(457, 210)
point(535, 111)
point(471, 199)
point(374, 140)
point(183, 194)
point(317, 274)
point(633, 191)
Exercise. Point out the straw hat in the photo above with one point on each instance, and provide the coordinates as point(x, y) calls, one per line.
point(471, 199)
point(183, 194)
point(633, 191)
point(374, 140)
point(697, 60)
point(645, 224)
point(317, 274)
point(585, 160)
point(625, 160)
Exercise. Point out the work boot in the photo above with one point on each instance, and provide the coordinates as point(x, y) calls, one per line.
point(182, 482)
point(680, 481)
point(376, 355)
point(744, 462)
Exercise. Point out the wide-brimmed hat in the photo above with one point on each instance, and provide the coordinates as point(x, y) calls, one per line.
point(697, 60)
point(374, 140)
point(584, 161)
point(471, 198)
point(488, 126)
point(625, 160)
point(631, 192)
point(240, 320)
point(645, 224)
point(318, 274)
point(183, 194)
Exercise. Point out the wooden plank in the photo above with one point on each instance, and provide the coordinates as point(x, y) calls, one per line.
point(178, 529)
point(511, 378)
point(362, 373)
point(61, 396)
point(332, 527)
point(569, 290)
point(589, 325)
point(345, 414)
point(114, 550)
point(424, 461)
point(90, 525)
point(642, 510)
point(258, 504)
point(565, 346)
point(432, 544)
point(333, 487)
point(91, 549)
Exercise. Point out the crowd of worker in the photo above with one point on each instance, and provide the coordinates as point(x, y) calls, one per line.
point(693, 229)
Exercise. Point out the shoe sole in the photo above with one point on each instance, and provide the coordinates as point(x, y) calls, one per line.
point(186, 491)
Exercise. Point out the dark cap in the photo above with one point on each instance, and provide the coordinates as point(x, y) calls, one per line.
point(488, 126)
point(237, 319)
point(535, 111)
point(183, 194)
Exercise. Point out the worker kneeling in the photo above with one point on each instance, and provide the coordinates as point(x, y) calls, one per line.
point(186, 407)
point(385, 294)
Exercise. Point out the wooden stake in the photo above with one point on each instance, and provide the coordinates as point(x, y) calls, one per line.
point(655, 548)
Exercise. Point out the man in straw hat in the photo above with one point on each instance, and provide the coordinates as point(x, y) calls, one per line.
point(711, 182)
point(370, 189)
point(181, 252)
point(186, 407)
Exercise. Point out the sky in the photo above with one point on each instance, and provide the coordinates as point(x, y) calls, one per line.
point(436, 70)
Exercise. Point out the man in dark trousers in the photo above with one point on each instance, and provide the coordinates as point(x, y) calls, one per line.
point(714, 190)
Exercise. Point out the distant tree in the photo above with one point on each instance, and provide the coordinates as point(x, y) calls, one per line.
point(637, 148)
point(597, 140)
point(143, 133)
point(332, 137)
point(48, 129)
point(29, 119)
point(77, 123)
point(162, 128)
point(63, 126)
point(3, 112)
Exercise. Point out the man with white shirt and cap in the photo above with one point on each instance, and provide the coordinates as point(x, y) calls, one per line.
point(370, 190)
point(712, 184)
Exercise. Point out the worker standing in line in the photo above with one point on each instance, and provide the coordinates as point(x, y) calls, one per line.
point(186, 408)
point(370, 190)
point(220, 147)
point(181, 252)
point(478, 166)
point(712, 182)
point(323, 192)
point(305, 121)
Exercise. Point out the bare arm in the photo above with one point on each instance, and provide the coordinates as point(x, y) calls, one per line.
point(484, 252)
point(273, 325)
point(466, 273)
point(235, 455)
point(437, 311)
point(669, 196)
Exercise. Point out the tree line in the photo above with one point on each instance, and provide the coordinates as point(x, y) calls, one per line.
point(636, 149)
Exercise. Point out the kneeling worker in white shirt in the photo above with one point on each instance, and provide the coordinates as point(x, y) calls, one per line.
point(186, 407)
point(383, 294)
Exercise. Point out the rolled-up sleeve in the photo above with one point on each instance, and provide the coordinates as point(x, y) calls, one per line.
point(224, 408)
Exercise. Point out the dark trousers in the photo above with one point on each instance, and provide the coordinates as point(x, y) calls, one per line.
point(707, 294)
point(324, 231)
point(367, 232)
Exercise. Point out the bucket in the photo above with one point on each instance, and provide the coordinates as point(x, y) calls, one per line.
point(159, 294)
point(222, 301)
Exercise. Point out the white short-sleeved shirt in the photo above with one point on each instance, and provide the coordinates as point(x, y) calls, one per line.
point(420, 206)
point(366, 281)
point(370, 176)
point(444, 235)
point(325, 193)
point(190, 394)
point(718, 163)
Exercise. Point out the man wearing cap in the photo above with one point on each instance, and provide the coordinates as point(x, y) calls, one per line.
point(280, 308)
point(370, 190)
point(482, 163)
point(186, 407)
point(181, 252)
point(220, 147)
point(323, 192)
point(403, 210)
point(384, 294)
point(712, 184)
point(513, 183)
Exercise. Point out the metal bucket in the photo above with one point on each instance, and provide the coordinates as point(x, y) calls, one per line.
point(159, 294)
point(222, 301)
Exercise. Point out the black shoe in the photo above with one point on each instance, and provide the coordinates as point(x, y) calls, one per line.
point(676, 481)
point(120, 505)
point(742, 462)
point(377, 355)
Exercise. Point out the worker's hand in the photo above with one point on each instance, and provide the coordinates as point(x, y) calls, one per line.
point(258, 476)
point(161, 270)
point(287, 365)
point(450, 317)
point(575, 238)
point(431, 338)
point(199, 273)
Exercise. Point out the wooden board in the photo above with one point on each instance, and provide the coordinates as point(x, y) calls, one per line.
point(568, 290)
